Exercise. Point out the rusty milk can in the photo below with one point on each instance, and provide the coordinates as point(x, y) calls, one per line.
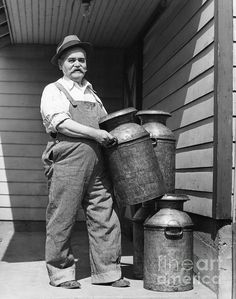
point(168, 247)
point(154, 121)
point(132, 162)
point(146, 211)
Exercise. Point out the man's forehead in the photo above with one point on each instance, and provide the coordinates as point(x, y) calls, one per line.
point(75, 52)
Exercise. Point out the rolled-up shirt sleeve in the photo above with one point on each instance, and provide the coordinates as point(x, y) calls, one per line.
point(53, 109)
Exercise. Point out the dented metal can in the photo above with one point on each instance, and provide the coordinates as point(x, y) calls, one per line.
point(168, 249)
point(154, 121)
point(132, 162)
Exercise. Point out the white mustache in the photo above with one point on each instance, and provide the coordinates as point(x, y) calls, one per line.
point(80, 70)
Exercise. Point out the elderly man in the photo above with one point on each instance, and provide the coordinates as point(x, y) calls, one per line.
point(74, 165)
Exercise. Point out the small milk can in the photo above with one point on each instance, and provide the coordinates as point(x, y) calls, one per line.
point(145, 211)
point(154, 121)
point(132, 162)
point(168, 247)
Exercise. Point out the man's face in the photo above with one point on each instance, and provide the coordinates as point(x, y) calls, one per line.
point(73, 64)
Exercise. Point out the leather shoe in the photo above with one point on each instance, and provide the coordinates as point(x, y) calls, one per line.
point(72, 284)
point(120, 283)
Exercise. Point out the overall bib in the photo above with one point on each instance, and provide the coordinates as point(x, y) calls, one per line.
point(78, 177)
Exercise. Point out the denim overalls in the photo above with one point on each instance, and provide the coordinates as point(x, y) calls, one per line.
point(78, 177)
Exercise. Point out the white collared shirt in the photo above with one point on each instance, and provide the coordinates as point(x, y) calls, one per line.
point(54, 105)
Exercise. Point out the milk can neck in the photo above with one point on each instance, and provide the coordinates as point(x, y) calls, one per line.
point(172, 201)
point(170, 205)
point(153, 118)
point(148, 116)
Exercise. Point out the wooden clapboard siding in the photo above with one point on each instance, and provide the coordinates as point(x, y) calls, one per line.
point(23, 201)
point(199, 89)
point(21, 125)
point(29, 76)
point(196, 111)
point(204, 38)
point(25, 213)
point(198, 201)
point(19, 100)
point(21, 150)
point(22, 188)
point(28, 213)
point(22, 163)
point(20, 113)
point(23, 138)
point(24, 71)
point(21, 173)
point(193, 69)
point(198, 157)
point(198, 133)
point(10, 63)
point(177, 11)
point(195, 181)
point(182, 37)
point(178, 77)
point(36, 51)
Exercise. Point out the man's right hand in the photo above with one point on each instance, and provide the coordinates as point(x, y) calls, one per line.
point(105, 138)
point(74, 129)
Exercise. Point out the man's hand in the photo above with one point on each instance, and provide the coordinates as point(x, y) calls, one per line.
point(71, 128)
point(105, 138)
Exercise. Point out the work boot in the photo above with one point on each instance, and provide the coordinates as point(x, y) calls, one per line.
point(121, 283)
point(71, 284)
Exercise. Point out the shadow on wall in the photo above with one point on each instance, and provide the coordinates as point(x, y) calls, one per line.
point(179, 78)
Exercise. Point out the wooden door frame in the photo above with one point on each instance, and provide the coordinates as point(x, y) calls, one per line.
point(223, 109)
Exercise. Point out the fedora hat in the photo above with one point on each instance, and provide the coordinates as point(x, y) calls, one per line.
point(69, 42)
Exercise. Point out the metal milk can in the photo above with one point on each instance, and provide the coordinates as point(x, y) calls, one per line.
point(154, 121)
point(143, 213)
point(168, 247)
point(132, 162)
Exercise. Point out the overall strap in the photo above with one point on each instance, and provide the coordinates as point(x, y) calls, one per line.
point(66, 93)
point(93, 92)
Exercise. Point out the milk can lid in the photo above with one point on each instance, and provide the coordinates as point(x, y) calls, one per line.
point(169, 218)
point(174, 197)
point(153, 112)
point(118, 113)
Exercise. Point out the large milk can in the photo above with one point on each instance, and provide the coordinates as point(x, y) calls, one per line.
point(168, 247)
point(133, 165)
point(154, 121)
point(146, 211)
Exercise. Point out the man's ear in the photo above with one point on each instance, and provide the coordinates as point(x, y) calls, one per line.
point(60, 64)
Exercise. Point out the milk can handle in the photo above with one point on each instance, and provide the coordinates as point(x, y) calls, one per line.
point(154, 142)
point(174, 229)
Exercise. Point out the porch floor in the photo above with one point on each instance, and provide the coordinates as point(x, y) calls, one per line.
point(23, 274)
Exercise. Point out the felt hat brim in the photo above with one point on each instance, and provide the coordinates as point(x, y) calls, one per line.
point(69, 45)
